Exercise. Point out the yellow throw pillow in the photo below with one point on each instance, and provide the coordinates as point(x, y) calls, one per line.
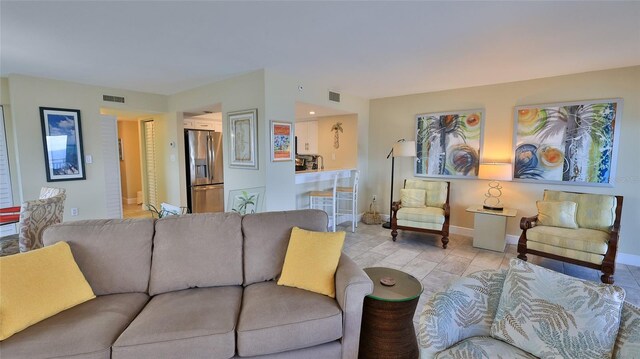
point(412, 197)
point(37, 285)
point(557, 214)
point(311, 261)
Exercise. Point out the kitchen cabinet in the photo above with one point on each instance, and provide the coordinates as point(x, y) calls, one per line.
point(192, 124)
point(307, 133)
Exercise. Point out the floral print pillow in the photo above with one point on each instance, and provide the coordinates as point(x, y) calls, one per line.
point(552, 315)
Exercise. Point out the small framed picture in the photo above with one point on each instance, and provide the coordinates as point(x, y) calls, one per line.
point(62, 140)
point(281, 139)
point(246, 201)
point(243, 139)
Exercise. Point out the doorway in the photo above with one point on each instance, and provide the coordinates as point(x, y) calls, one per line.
point(130, 168)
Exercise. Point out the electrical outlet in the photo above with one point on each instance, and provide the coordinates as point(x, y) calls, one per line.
point(375, 197)
point(74, 212)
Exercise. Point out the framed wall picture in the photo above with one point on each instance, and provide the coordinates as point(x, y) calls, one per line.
point(281, 140)
point(448, 144)
point(568, 143)
point(243, 139)
point(246, 201)
point(62, 140)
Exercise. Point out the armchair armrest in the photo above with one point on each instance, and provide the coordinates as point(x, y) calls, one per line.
point(528, 222)
point(465, 309)
point(352, 285)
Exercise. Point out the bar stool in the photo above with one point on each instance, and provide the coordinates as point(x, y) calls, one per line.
point(347, 201)
point(324, 200)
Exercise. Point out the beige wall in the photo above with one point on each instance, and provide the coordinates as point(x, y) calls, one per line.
point(27, 94)
point(393, 118)
point(281, 95)
point(243, 92)
point(346, 156)
point(130, 171)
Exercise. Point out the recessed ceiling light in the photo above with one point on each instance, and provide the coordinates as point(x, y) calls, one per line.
point(312, 112)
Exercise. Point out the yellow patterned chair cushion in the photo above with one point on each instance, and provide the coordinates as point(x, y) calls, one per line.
point(566, 252)
point(436, 192)
point(557, 214)
point(595, 211)
point(580, 239)
point(425, 217)
point(412, 197)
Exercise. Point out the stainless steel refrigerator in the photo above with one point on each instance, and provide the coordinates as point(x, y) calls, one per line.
point(205, 172)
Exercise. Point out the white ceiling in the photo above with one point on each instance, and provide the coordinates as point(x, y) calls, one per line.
point(303, 111)
point(371, 49)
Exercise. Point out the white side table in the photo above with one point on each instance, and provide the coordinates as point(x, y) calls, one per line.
point(490, 227)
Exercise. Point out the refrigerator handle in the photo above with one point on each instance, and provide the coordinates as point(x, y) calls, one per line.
point(210, 158)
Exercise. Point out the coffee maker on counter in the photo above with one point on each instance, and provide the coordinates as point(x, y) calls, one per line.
point(307, 162)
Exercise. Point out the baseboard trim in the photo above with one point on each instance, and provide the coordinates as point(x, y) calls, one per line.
point(129, 200)
point(630, 259)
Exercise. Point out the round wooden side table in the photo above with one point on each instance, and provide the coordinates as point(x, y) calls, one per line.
point(387, 317)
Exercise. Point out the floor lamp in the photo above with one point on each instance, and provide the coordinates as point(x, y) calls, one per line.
point(402, 148)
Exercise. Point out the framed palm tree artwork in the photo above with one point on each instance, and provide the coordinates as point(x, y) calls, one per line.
point(448, 144)
point(569, 143)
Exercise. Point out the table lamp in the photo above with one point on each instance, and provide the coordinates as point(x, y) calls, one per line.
point(402, 148)
point(494, 172)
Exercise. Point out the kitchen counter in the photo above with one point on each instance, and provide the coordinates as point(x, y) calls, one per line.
point(310, 176)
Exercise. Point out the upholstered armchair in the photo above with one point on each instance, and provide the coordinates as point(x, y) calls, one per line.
point(424, 207)
point(578, 228)
point(35, 216)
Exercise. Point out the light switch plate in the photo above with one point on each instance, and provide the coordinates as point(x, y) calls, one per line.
point(88, 159)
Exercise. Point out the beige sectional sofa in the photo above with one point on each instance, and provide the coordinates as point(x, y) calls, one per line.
point(196, 286)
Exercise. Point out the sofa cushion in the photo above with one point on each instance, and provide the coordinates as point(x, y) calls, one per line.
point(276, 318)
point(581, 239)
point(549, 314)
point(465, 309)
point(483, 347)
point(198, 250)
point(84, 331)
point(37, 285)
point(425, 215)
point(595, 211)
point(113, 254)
point(628, 341)
point(266, 237)
point(436, 191)
point(311, 261)
point(412, 198)
point(191, 323)
point(557, 214)
point(331, 350)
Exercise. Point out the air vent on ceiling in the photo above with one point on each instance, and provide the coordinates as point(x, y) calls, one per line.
point(110, 98)
point(334, 96)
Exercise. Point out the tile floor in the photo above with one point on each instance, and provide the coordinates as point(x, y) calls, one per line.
point(134, 211)
point(423, 256)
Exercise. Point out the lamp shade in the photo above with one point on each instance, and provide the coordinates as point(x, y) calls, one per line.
point(496, 171)
point(404, 149)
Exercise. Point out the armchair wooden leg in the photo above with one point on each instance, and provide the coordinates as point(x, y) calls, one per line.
point(522, 256)
point(607, 274)
point(445, 240)
point(394, 234)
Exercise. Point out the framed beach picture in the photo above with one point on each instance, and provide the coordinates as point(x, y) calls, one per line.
point(448, 144)
point(568, 143)
point(281, 139)
point(62, 140)
point(246, 201)
point(244, 140)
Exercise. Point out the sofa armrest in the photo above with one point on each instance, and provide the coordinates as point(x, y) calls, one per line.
point(465, 309)
point(352, 285)
point(528, 222)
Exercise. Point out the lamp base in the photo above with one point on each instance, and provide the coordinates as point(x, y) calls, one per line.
point(498, 208)
point(386, 225)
